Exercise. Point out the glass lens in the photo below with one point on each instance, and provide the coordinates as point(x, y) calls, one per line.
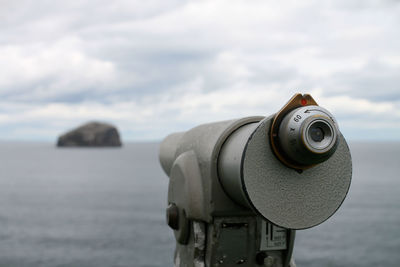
point(317, 134)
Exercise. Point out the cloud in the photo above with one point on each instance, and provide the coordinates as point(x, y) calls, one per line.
point(42, 72)
point(154, 67)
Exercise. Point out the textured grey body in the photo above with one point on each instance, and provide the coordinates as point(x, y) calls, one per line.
point(290, 199)
point(205, 141)
point(214, 229)
point(92, 134)
point(225, 179)
point(253, 176)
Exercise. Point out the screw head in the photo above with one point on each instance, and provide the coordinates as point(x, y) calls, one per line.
point(269, 261)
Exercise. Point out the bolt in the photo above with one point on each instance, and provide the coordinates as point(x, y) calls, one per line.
point(269, 261)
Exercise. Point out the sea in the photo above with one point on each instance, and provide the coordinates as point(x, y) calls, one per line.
point(106, 207)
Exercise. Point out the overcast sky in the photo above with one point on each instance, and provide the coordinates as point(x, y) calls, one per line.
point(159, 66)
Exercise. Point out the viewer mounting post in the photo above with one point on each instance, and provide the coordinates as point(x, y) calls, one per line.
point(239, 189)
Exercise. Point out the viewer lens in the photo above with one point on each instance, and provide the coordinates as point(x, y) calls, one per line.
point(317, 134)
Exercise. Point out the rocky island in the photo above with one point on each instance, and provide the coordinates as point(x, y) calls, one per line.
point(92, 134)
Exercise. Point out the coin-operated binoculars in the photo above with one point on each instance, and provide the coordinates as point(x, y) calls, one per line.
point(239, 189)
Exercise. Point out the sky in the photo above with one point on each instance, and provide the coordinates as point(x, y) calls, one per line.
point(159, 66)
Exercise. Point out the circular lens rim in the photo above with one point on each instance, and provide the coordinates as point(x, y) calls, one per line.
point(329, 130)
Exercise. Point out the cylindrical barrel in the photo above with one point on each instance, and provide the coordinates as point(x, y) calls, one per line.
point(229, 163)
point(252, 176)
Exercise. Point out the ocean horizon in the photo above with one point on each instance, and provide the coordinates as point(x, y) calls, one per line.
point(106, 207)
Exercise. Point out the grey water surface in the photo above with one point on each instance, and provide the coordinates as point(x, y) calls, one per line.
point(106, 207)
